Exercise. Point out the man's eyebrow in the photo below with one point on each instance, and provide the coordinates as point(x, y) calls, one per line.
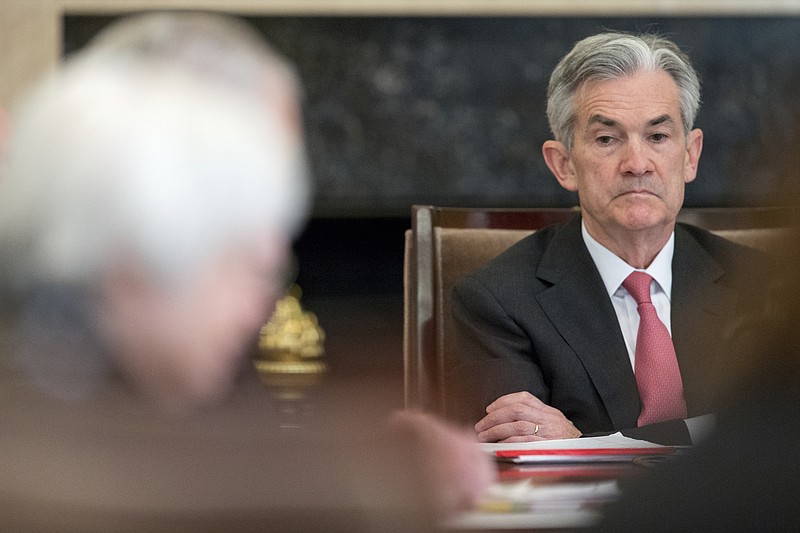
point(603, 120)
point(663, 119)
point(611, 123)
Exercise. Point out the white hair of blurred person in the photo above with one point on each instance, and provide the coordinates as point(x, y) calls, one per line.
point(153, 185)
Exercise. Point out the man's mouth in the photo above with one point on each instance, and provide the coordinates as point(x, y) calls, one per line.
point(638, 192)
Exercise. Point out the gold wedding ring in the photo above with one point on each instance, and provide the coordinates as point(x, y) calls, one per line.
point(536, 430)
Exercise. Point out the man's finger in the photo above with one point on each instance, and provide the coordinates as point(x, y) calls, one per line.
point(523, 397)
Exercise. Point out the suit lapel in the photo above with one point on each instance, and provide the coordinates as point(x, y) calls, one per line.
point(700, 310)
point(580, 309)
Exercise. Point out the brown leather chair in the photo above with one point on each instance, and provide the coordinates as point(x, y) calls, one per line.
point(444, 244)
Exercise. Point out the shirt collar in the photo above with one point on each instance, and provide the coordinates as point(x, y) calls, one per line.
point(613, 270)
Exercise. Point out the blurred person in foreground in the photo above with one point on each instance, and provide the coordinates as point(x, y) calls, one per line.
point(153, 186)
point(746, 475)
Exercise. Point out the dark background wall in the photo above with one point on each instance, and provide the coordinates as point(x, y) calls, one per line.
point(451, 110)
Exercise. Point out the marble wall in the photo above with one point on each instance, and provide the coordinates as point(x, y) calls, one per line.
point(451, 110)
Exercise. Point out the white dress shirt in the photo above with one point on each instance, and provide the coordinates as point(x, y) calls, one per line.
point(614, 270)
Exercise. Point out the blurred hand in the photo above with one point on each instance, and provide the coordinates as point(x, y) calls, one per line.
point(522, 417)
point(457, 470)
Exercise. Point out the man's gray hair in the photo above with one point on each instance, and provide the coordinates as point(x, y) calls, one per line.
point(609, 56)
point(169, 138)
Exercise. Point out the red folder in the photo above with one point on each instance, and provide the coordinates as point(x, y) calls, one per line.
point(580, 455)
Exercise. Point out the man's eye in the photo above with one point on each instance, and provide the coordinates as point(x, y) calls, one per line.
point(659, 137)
point(604, 139)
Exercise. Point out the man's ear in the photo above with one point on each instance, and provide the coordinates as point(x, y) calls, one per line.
point(693, 148)
point(559, 162)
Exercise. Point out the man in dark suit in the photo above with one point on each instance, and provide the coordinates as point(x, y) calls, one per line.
point(549, 333)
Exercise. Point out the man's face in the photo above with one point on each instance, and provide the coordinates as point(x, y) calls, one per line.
point(630, 158)
point(216, 317)
point(182, 346)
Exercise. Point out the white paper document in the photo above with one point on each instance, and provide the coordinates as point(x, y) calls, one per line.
point(613, 441)
point(611, 448)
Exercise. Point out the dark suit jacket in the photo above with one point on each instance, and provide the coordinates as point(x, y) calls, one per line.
point(538, 318)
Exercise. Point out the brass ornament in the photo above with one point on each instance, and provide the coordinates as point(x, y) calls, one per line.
point(290, 349)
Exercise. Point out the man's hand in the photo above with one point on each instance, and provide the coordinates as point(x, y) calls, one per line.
point(457, 471)
point(522, 417)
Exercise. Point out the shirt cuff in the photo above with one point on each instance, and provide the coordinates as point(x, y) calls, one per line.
point(700, 427)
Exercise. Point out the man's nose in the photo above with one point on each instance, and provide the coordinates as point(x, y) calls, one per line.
point(635, 159)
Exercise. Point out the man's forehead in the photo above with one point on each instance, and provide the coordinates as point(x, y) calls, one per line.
point(649, 98)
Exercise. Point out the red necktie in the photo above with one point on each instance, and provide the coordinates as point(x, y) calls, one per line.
point(658, 377)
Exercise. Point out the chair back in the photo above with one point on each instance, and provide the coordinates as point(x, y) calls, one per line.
point(445, 244)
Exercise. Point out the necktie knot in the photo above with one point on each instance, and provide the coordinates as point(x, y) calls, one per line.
point(638, 285)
